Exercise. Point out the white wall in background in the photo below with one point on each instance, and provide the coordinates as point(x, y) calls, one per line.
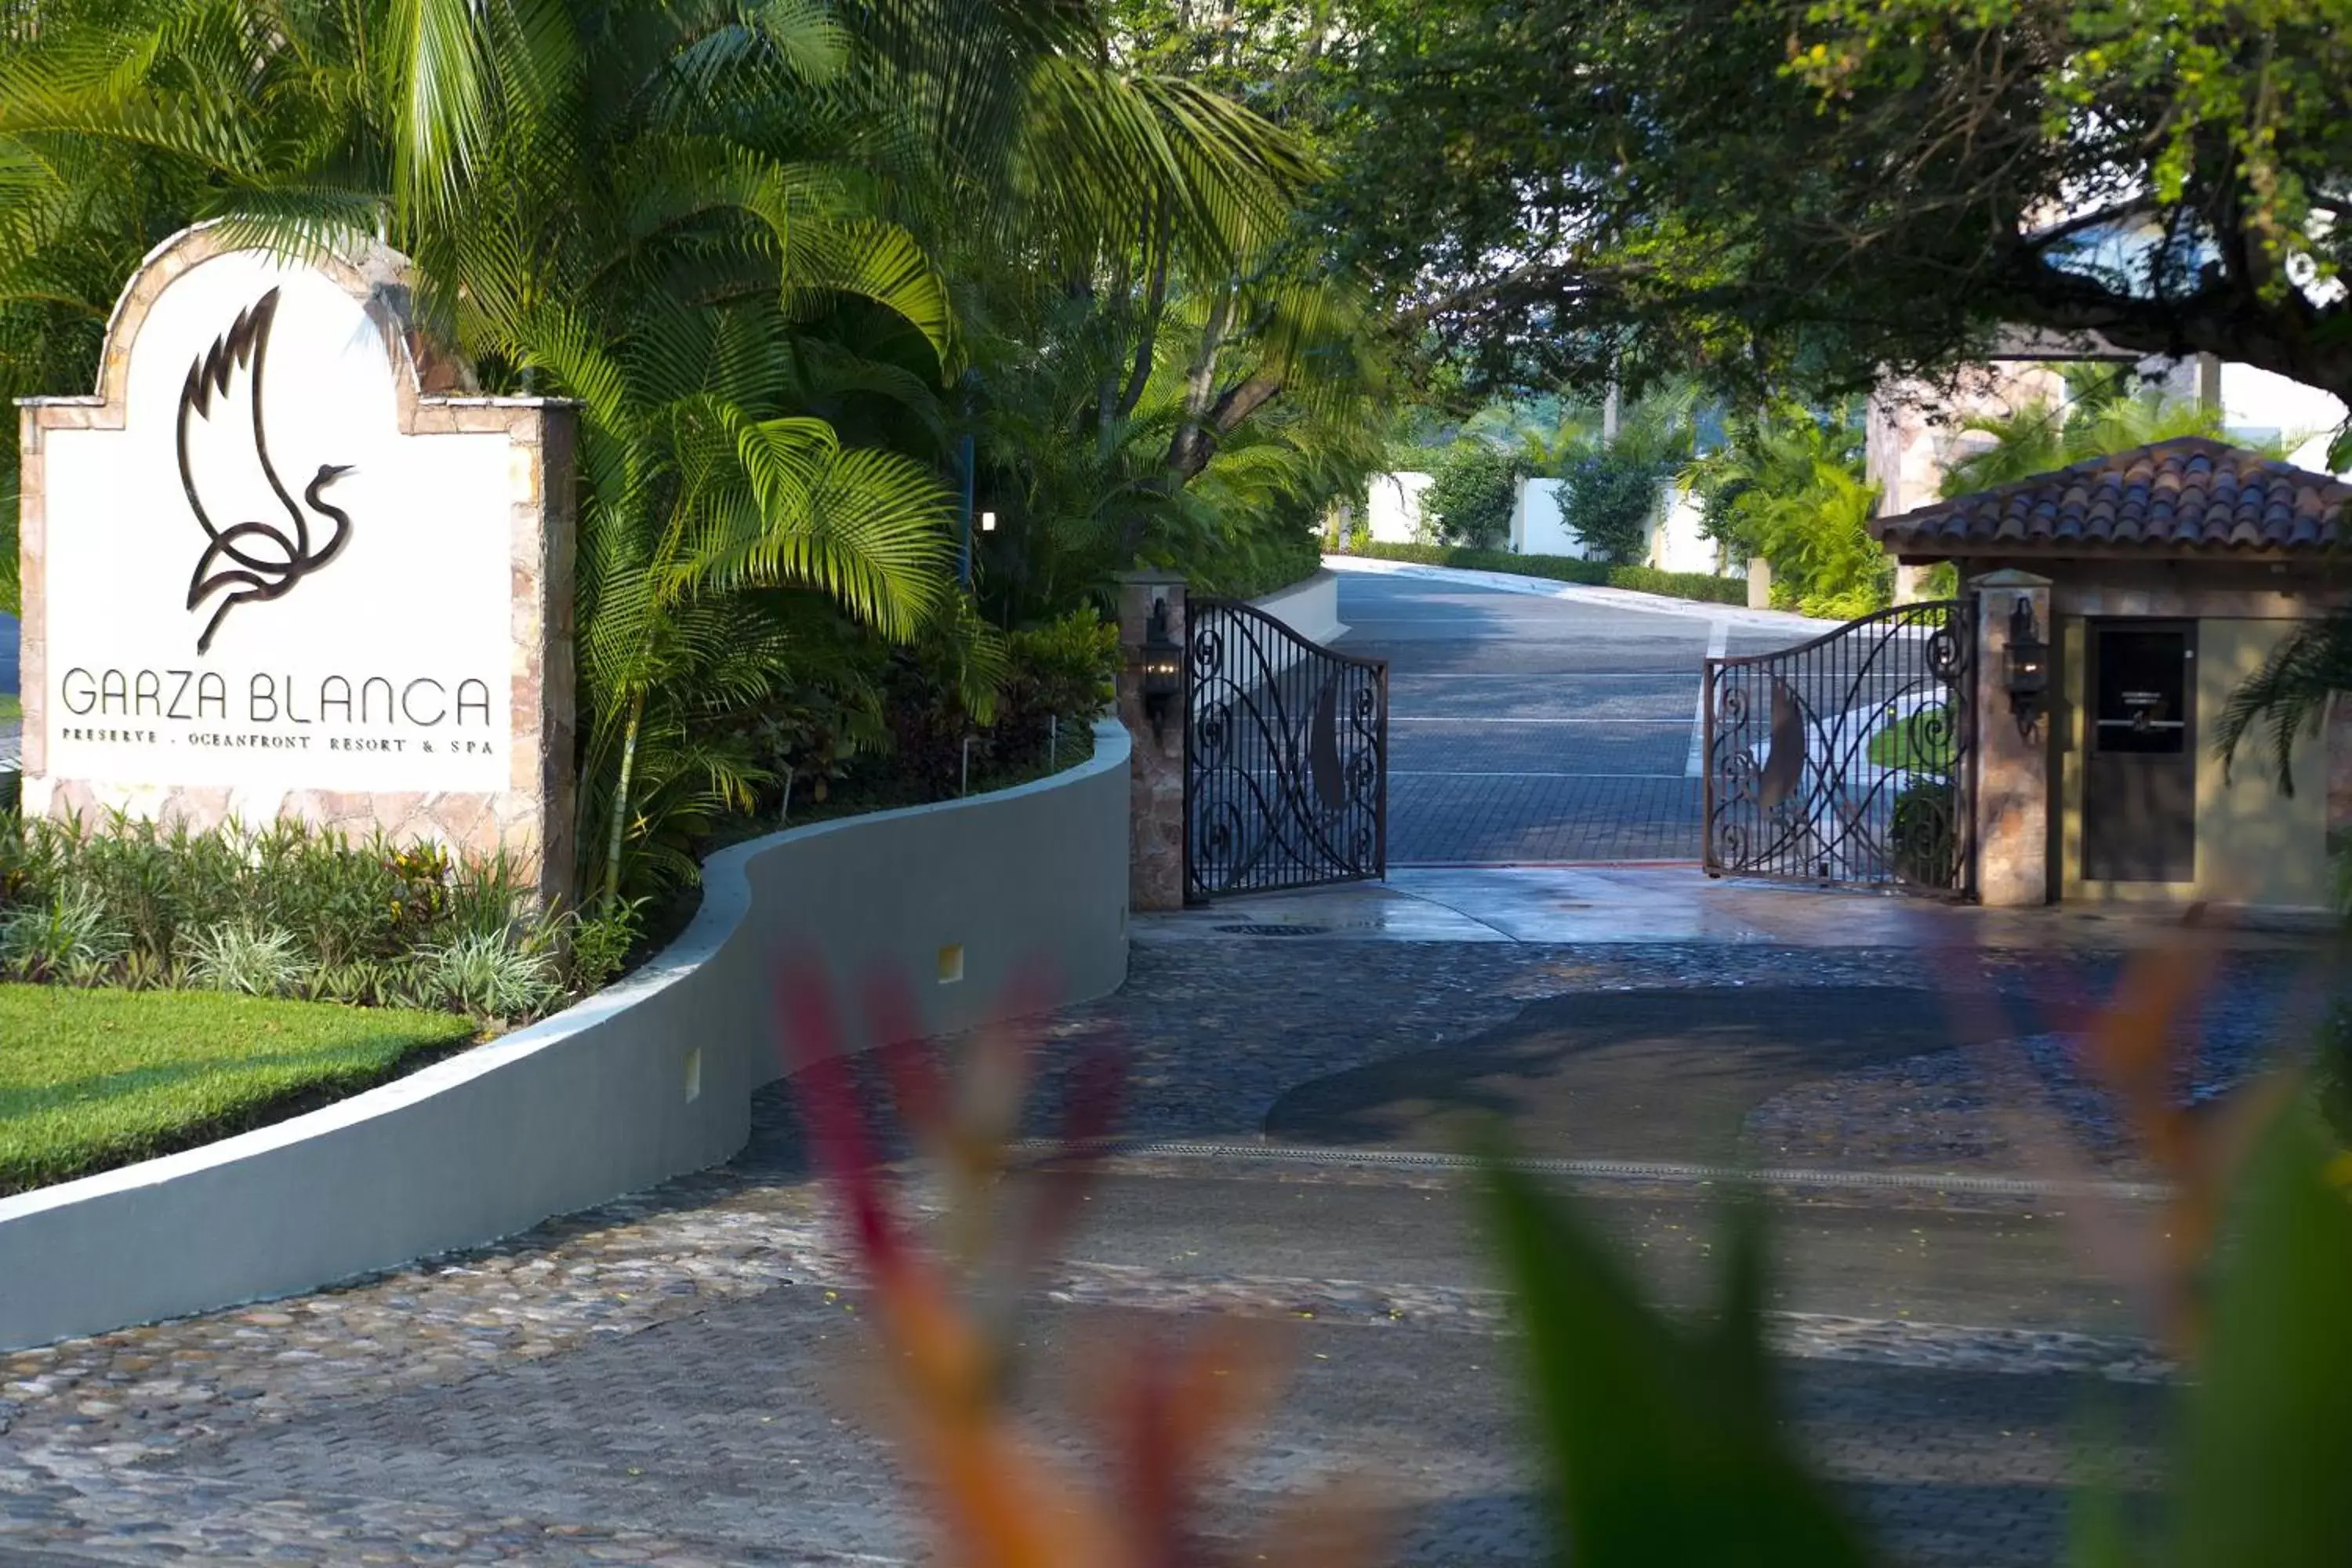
point(1395, 510)
point(1676, 543)
point(1536, 525)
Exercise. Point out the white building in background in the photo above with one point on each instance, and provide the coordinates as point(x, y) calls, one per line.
point(1392, 510)
point(2262, 404)
point(1675, 542)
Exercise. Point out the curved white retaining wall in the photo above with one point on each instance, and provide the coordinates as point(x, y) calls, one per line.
point(636, 1084)
point(1310, 607)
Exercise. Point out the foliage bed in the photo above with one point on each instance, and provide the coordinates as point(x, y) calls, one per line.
point(1610, 497)
point(286, 911)
point(92, 1080)
point(1472, 489)
point(912, 729)
point(1565, 569)
point(1920, 741)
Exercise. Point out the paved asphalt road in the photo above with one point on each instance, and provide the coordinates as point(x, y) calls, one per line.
point(1526, 730)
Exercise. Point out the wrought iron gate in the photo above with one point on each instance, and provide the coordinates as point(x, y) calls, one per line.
point(1849, 759)
point(1285, 757)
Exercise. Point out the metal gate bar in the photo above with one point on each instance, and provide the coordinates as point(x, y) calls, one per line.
point(1285, 757)
point(1849, 759)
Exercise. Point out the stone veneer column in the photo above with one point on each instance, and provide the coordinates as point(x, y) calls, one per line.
point(2013, 769)
point(1156, 811)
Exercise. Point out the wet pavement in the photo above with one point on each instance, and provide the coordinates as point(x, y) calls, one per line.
point(1672, 902)
point(662, 1380)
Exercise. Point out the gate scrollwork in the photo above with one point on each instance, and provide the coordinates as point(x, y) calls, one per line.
point(1285, 757)
point(1848, 759)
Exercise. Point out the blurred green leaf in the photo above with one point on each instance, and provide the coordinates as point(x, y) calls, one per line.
point(2265, 1474)
point(1661, 1439)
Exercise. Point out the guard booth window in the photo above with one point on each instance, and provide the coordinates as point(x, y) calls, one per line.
point(2143, 692)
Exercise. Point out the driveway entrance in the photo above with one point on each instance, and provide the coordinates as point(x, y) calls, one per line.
point(1528, 729)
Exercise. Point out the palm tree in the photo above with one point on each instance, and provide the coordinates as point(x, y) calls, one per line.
point(703, 219)
point(2102, 414)
point(2289, 696)
point(1787, 485)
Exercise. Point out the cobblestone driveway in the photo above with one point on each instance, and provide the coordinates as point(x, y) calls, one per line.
point(660, 1381)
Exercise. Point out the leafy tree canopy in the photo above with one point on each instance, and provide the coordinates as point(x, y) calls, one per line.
point(1825, 189)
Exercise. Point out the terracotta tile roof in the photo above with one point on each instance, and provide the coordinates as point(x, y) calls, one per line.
point(2189, 494)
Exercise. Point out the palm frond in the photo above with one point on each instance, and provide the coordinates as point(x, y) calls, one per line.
point(2289, 696)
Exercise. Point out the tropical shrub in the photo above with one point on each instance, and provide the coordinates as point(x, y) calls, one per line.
point(1471, 495)
point(933, 720)
point(62, 937)
point(1786, 487)
point(1924, 840)
point(485, 973)
point(1608, 498)
point(244, 956)
point(291, 911)
point(1058, 677)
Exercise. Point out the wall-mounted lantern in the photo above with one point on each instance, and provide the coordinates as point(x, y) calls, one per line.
point(1163, 668)
point(2028, 666)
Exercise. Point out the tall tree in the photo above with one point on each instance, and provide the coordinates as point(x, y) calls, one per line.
point(1836, 188)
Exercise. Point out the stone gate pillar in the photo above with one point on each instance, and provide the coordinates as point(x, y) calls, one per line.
point(2013, 767)
point(1156, 812)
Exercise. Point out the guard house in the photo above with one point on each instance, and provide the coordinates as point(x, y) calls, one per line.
point(2157, 580)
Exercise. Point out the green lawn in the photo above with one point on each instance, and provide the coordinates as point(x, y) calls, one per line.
point(91, 1079)
point(1920, 741)
point(12, 707)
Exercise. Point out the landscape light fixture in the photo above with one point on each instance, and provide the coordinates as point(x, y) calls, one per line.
point(2028, 658)
point(1162, 668)
point(988, 522)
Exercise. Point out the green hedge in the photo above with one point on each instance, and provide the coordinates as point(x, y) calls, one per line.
point(1565, 569)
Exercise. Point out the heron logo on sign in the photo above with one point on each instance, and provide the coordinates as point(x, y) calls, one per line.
point(247, 560)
